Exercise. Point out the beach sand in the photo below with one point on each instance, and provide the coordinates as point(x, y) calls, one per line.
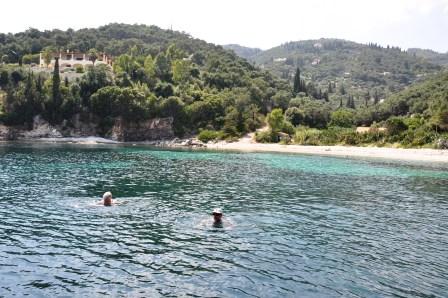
point(421, 155)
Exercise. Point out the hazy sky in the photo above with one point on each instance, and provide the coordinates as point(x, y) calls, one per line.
point(254, 23)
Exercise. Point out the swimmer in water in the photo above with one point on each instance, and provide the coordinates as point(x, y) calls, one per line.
point(217, 218)
point(107, 199)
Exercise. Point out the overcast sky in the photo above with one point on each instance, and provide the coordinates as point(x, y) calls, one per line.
point(254, 23)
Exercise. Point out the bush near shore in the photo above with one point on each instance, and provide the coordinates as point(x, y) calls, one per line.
point(396, 131)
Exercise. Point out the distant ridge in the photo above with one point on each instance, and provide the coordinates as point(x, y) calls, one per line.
point(360, 67)
point(244, 52)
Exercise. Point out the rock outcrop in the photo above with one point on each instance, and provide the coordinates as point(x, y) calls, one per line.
point(150, 130)
point(7, 133)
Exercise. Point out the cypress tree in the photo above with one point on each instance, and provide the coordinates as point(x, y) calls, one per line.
point(56, 92)
point(303, 86)
point(366, 98)
point(350, 102)
point(30, 98)
point(297, 82)
point(342, 89)
point(376, 97)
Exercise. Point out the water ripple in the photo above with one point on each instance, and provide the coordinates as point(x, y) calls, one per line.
point(302, 226)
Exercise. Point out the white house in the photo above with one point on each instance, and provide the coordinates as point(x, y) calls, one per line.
point(74, 59)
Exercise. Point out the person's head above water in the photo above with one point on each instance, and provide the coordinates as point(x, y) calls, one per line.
point(107, 198)
point(217, 215)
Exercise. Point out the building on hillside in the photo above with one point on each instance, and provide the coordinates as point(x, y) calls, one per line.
point(279, 59)
point(70, 59)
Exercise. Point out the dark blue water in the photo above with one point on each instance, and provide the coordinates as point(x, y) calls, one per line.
point(303, 226)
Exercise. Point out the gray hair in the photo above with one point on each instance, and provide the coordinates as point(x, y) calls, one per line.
point(107, 195)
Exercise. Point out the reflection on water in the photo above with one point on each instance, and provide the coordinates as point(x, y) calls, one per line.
point(303, 226)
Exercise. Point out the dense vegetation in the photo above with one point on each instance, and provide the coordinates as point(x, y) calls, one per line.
point(415, 117)
point(430, 55)
point(212, 92)
point(156, 73)
point(343, 68)
point(244, 52)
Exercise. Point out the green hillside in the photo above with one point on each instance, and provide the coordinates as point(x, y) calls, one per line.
point(357, 67)
point(430, 55)
point(243, 52)
point(428, 99)
point(156, 73)
point(414, 117)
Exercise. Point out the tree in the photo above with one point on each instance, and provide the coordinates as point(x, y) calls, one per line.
point(330, 88)
point(56, 92)
point(16, 77)
point(174, 53)
point(181, 71)
point(94, 79)
point(149, 67)
point(376, 97)
point(342, 89)
point(47, 56)
point(281, 99)
point(295, 116)
point(30, 106)
point(367, 98)
point(93, 55)
point(297, 82)
point(342, 118)
point(395, 126)
point(128, 103)
point(275, 120)
point(4, 79)
point(162, 67)
point(350, 102)
point(440, 120)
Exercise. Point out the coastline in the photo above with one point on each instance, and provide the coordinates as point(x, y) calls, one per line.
point(416, 155)
point(246, 144)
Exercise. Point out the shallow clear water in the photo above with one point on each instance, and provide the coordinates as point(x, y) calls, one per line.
point(302, 225)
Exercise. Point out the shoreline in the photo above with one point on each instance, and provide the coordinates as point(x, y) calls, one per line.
point(246, 144)
point(416, 155)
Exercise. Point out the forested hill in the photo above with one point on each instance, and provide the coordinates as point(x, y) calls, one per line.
point(244, 52)
point(430, 55)
point(156, 73)
point(359, 68)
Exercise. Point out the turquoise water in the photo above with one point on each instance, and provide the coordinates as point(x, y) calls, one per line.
point(303, 226)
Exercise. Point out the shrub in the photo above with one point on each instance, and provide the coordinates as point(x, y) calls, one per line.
point(79, 69)
point(266, 137)
point(209, 135)
point(275, 120)
point(307, 136)
point(288, 128)
point(395, 126)
point(294, 115)
point(342, 118)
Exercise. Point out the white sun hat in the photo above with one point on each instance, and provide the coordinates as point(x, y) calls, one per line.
point(217, 211)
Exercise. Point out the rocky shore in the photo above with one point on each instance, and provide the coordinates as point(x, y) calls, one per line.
point(158, 132)
point(77, 128)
